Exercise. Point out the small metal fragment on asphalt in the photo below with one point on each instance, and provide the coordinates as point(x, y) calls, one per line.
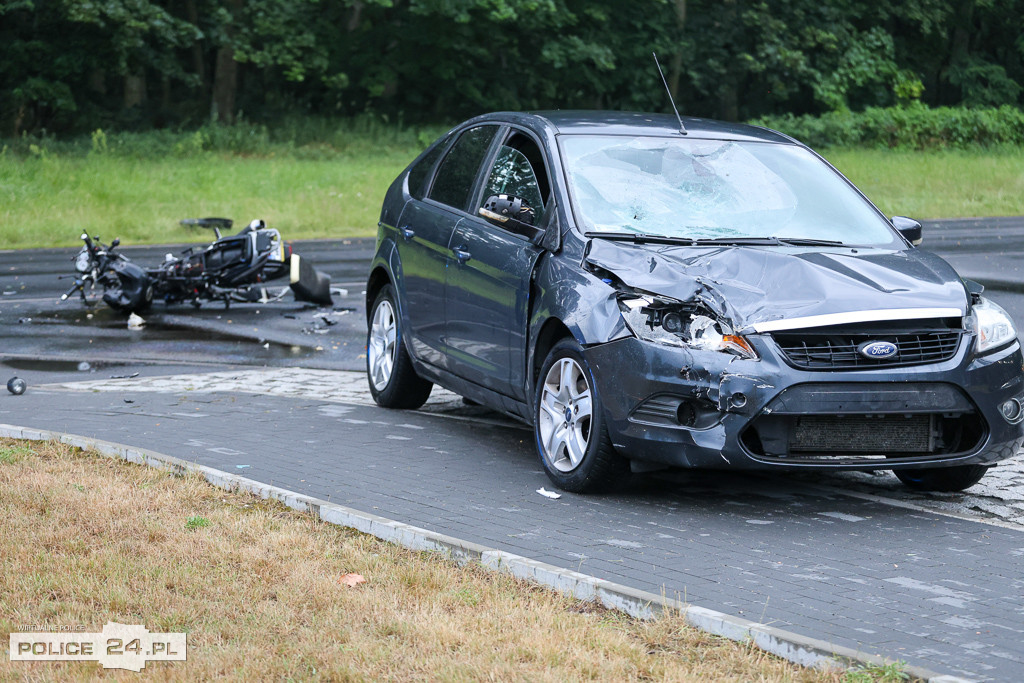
point(16, 386)
point(128, 400)
point(549, 494)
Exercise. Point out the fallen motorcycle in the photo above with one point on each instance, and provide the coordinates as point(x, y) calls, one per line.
point(231, 268)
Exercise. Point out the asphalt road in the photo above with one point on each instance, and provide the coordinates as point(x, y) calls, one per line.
point(34, 325)
point(480, 477)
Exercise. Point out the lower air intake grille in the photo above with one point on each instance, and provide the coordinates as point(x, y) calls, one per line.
point(854, 434)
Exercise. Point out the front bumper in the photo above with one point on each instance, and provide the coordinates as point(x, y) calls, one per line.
point(685, 407)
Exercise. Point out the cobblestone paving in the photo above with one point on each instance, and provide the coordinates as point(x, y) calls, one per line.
point(999, 496)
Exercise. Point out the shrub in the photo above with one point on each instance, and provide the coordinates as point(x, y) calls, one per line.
point(914, 126)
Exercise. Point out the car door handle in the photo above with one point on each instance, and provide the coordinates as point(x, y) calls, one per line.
point(461, 255)
point(407, 232)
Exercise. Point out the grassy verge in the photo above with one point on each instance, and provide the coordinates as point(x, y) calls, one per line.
point(138, 189)
point(259, 590)
point(937, 183)
point(51, 200)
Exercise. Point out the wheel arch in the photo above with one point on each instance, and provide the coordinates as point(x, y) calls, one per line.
point(551, 332)
point(378, 279)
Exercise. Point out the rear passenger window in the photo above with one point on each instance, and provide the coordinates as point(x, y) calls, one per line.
point(457, 172)
point(421, 169)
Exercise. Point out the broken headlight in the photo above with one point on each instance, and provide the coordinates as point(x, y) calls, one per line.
point(83, 262)
point(667, 321)
point(991, 325)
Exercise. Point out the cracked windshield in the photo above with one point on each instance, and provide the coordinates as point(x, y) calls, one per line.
point(709, 189)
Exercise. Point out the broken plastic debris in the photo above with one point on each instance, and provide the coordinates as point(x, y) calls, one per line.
point(135, 321)
point(549, 494)
point(84, 366)
point(241, 467)
point(131, 376)
point(352, 580)
point(16, 386)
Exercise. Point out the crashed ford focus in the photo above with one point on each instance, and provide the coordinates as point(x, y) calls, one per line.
point(651, 296)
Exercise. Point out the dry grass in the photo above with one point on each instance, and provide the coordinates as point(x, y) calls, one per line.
point(84, 540)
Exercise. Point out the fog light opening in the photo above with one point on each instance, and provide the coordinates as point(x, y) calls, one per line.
point(738, 400)
point(1012, 410)
point(686, 415)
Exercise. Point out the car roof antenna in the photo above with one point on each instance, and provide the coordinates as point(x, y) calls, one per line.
point(682, 128)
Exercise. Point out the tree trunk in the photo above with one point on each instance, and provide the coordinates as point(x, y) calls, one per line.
point(729, 101)
point(225, 85)
point(225, 73)
point(355, 18)
point(675, 68)
point(134, 89)
point(198, 63)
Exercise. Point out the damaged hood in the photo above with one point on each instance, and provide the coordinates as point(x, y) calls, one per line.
point(774, 288)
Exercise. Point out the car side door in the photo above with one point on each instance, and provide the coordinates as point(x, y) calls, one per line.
point(488, 280)
point(424, 233)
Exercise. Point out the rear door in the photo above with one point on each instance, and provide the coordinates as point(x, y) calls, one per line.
point(488, 280)
point(424, 232)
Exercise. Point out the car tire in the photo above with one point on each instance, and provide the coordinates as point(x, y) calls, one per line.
point(942, 478)
point(569, 425)
point(393, 381)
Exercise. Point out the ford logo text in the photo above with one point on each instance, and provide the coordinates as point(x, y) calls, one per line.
point(878, 350)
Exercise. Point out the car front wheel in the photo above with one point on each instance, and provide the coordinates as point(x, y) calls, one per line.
point(571, 436)
point(393, 381)
point(942, 478)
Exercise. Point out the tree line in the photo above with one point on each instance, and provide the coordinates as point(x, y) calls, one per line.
point(70, 66)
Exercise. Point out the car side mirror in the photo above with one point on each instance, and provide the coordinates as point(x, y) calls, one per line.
point(512, 214)
point(909, 228)
point(501, 208)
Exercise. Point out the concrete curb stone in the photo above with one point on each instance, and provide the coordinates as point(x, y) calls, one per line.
point(800, 649)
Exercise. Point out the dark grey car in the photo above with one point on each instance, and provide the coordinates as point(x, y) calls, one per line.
point(647, 297)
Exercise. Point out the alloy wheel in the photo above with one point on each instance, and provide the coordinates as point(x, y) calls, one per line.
point(564, 418)
point(381, 346)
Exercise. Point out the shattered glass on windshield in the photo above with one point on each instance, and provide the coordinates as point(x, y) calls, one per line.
point(714, 189)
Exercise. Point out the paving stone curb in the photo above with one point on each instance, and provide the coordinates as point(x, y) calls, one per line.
point(800, 649)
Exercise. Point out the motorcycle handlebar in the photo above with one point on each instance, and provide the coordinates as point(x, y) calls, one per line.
point(77, 286)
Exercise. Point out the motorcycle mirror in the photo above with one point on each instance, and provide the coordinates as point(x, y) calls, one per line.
point(116, 242)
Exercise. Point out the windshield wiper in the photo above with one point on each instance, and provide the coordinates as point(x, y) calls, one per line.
point(639, 238)
point(810, 242)
point(740, 241)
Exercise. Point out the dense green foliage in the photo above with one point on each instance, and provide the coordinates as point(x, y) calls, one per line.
point(73, 66)
point(911, 127)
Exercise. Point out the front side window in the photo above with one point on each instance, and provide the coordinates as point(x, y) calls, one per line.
point(519, 171)
point(699, 189)
point(457, 172)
